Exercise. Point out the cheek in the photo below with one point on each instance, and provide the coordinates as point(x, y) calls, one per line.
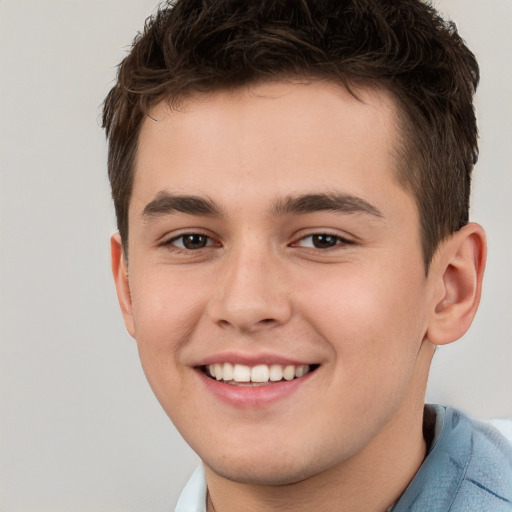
point(368, 315)
point(165, 307)
point(370, 322)
point(165, 310)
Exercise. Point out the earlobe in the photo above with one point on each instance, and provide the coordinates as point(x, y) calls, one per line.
point(458, 274)
point(121, 279)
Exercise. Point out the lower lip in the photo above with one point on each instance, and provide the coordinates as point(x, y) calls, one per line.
point(251, 397)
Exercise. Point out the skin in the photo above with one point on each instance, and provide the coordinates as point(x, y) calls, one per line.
point(363, 310)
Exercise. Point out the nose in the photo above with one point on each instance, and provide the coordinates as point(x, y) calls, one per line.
point(251, 292)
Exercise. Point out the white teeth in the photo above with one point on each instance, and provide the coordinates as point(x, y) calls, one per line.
point(227, 371)
point(301, 370)
point(241, 373)
point(258, 374)
point(276, 372)
point(218, 371)
point(289, 372)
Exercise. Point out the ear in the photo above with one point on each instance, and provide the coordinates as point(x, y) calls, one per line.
point(458, 273)
point(121, 279)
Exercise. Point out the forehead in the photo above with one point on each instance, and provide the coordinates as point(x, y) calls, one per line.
point(288, 137)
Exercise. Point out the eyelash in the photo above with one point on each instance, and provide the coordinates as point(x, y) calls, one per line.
point(209, 241)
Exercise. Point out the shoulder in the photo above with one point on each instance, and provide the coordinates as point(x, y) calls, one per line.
point(468, 467)
point(487, 457)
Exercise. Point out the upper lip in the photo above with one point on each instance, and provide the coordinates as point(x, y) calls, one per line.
point(251, 359)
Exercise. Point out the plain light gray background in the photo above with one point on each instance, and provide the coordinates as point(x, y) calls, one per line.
point(79, 428)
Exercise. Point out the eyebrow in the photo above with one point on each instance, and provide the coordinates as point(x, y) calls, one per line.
point(336, 202)
point(165, 203)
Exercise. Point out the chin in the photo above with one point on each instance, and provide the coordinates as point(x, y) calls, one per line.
point(277, 470)
point(266, 476)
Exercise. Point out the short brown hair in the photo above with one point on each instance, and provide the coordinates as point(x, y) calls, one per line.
point(193, 46)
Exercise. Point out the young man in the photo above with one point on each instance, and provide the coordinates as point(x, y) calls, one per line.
point(291, 182)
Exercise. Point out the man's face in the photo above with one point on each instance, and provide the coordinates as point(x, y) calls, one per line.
point(268, 234)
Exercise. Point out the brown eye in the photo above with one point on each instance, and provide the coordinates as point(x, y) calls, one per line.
point(195, 241)
point(324, 241)
point(190, 241)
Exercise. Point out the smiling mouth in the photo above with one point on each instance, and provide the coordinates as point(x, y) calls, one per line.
point(259, 375)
